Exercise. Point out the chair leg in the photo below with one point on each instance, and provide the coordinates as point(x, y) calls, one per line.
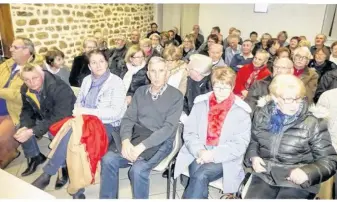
point(168, 182)
point(174, 188)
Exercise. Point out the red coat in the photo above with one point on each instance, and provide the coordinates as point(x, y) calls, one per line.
point(94, 138)
point(243, 75)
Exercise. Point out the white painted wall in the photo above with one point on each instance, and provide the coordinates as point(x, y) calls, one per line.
point(296, 19)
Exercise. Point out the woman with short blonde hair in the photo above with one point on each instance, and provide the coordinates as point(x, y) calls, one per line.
point(290, 150)
point(176, 67)
point(188, 47)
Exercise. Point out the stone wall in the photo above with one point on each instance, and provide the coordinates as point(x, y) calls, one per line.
point(66, 25)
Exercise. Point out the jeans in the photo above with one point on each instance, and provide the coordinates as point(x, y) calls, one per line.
point(31, 148)
point(259, 189)
point(138, 174)
point(200, 177)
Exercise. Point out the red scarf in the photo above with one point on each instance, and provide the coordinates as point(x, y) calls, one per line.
point(298, 72)
point(252, 77)
point(216, 116)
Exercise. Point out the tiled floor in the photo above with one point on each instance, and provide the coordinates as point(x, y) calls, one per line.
point(157, 183)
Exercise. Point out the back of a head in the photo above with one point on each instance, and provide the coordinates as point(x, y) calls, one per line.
point(154, 61)
point(201, 64)
point(287, 82)
point(172, 52)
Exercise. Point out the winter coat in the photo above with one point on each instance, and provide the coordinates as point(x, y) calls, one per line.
point(327, 82)
point(116, 60)
point(79, 70)
point(139, 79)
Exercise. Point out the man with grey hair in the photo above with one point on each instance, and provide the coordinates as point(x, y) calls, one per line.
point(232, 49)
point(116, 58)
point(199, 37)
point(320, 39)
point(215, 53)
point(260, 88)
point(135, 38)
point(147, 133)
point(80, 68)
point(23, 52)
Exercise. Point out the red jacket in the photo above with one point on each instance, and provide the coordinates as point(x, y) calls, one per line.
point(243, 75)
point(94, 137)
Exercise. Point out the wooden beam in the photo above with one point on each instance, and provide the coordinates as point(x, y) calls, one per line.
point(6, 28)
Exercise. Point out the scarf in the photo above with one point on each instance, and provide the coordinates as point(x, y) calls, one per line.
point(278, 120)
point(132, 70)
point(252, 77)
point(89, 101)
point(216, 117)
point(298, 72)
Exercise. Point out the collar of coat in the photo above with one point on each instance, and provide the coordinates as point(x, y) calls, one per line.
point(238, 101)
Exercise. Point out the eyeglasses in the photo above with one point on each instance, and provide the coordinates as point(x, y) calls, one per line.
point(299, 57)
point(17, 47)
point(169, 60)
point(291, 100)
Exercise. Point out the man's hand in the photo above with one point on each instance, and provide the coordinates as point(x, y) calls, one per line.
point(128, 100)
point(258, 164)
point(23, 135)
point(136, 151)
point(127, 148)
point(205, 156)
point(298, 176)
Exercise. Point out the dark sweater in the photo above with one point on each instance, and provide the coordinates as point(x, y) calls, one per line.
point(160, 116)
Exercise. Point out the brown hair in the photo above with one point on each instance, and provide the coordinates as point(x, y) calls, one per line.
point(325, 50)
point(333, 45)
point(223, 75)
point(213, 37)
point(283, 32)
point(97, 52)
point(52, 54)
point(281, 50)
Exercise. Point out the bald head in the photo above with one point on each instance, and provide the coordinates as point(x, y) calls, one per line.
point(283, 66)
point(215, 52)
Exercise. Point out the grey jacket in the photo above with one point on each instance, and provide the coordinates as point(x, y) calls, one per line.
point(234, 140)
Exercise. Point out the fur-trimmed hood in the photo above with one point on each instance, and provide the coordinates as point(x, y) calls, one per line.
point(318, 111)
point(238, 101)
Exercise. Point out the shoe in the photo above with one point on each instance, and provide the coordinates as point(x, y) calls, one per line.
point(79, 196)
point(33, 164)
point(42, 181)
point(62, 178)
point(165, 173)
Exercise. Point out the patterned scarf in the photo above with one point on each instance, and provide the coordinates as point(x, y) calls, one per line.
point(298, 72)
point(89, 101)
point(216, 117)
point(278, 120)
point(252, 78)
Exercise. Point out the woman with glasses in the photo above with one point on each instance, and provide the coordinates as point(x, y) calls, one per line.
point(290, 151)
point(146, 46)
point(216, 135)
point(188, 47)
point(134, 72)
point(308, 75)
point(177, 68)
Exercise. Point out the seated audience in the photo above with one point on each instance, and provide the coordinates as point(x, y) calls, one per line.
point(80, 68)
point(294, 43)
point(327, 82)
point(164, 39)
point(320, 39)
point(282, 52)
point(146, 46)
point(155, 42)
point(117, 55)
point(46, 100)
point(102, 95)
point(290, 150)
point(333, 56)
point(263, 44)
point(134, 71)
point(232, 32)
point(243, 58)
point(304, 43)
point(154, 30)
point(250, 73)
point(282, 39)
point(260, 88)
point(198, 36)
point(321, 62)
point(303, 38)
point(216, 31)
point(172, 40)
point(308, 75)
point(135, 38)
point(232, 49)
point(211, 39)
point(176, 35)
point(215, 53)
point(176, 67)
point(22, 52)
point(188, 47)
point(253, 38)
point(216, 136)
point(147, 133)
point(55, 64)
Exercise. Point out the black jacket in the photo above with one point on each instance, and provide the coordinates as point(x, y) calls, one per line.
point(256, 91)
point(304, 144)
point(194, 89)
point(79, 70)
point(57, 101)
point(116, 60)
point(178, 38)
point(322, 69)
point(259, 46)
point(139, 79)
point(327, 82)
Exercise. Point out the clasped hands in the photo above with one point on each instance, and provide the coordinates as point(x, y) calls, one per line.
point(205, 156)
point(297, 175)
point(131, 152)
point(23, 134)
